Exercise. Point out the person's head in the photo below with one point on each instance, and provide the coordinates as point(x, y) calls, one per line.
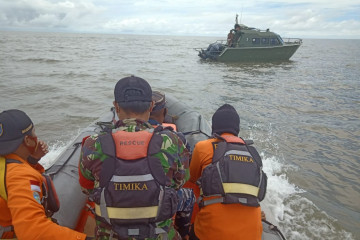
point(133, 98)
point(226, 120)
point(159, 110)
point(17, 134)
point(237, 26)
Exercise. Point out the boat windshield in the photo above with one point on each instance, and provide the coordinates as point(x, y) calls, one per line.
point(280, 39)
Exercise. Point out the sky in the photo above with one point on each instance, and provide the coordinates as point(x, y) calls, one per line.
point(329, 19)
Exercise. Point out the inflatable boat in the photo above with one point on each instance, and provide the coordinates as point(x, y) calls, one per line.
point(74, 212)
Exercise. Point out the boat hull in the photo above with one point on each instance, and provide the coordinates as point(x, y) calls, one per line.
point(258, 54)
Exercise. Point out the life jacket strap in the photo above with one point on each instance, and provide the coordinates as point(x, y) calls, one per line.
point(50, 199)
point(3, 162)
point(2, 179)
point(204, 203)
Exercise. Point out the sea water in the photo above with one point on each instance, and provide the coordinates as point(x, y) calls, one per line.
point(303, 114)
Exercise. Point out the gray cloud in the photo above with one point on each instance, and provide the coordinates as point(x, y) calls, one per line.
point(298, 18)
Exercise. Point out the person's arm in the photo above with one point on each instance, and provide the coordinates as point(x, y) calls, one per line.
point(89, 160)
point(184, 210)
point(196, 162)
point(28, 215)
point(174, 157)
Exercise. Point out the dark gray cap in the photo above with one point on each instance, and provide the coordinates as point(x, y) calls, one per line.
point(131, 89)
point(14, 125)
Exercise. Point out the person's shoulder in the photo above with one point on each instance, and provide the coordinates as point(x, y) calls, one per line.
point(167, 131)
point(91, 139)
point(170, 137)
point(204, 143)
point(21, 171)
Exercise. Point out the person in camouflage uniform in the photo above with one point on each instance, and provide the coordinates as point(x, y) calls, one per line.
point(186, 195)
point(133, 105)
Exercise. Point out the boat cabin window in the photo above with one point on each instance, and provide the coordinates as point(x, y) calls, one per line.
point(274, 41)
point(281, 40)
point(256, 40)
point(264, 41)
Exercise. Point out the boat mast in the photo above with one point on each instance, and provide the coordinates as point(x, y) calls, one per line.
point(236, 19)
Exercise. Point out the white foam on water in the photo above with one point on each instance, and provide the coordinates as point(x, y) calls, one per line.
point(54, 151)
point(296, 216)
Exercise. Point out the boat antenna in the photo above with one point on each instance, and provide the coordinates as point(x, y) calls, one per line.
point(236, 19)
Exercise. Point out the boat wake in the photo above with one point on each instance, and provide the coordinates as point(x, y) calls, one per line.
point(54, 151)
point(296, 216)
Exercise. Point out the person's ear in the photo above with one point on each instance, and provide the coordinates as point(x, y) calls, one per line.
point(151, 106)
point(28, 141)
point(116, 105)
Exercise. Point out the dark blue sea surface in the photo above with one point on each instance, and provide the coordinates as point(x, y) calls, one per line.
point(303, 114)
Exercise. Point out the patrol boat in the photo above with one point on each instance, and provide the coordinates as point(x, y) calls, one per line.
point(75, 210)
point(251, 45)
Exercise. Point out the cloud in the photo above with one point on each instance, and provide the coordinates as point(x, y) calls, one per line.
point(298, 18)
point(46, 14)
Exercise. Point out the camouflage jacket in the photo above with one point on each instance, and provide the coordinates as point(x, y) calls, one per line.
point(174, 159)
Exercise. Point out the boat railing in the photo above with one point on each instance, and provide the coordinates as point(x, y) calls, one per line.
point(223, 42)
point(292, 40)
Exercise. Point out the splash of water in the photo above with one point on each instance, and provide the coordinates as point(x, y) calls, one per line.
point(54, 151)
point(298, 217)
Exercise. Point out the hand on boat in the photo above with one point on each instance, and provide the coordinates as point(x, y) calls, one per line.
point(263, 217)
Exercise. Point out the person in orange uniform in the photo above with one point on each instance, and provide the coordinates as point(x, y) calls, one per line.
point(229, 204)
point(23, 188)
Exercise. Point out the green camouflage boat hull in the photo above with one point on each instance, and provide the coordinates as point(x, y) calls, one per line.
point(259, 54)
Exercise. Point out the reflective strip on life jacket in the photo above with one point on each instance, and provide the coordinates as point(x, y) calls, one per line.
point(2, 178)
point(243, 153)
point(129, 213)
point(138, 178)
point(241, 188)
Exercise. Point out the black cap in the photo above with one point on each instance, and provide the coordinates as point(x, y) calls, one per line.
point(226, 120)
point(159, 99)
point(131, 89)
point(14, 125)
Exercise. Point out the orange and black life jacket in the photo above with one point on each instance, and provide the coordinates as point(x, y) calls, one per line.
point(133, 194)
point(235, 174)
